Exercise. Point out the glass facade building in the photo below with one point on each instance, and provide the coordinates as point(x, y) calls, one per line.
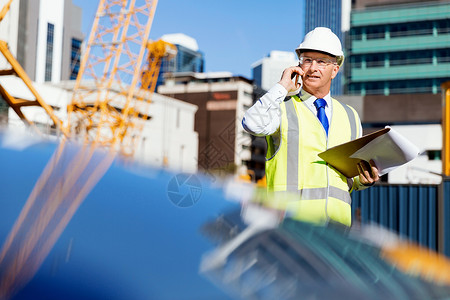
point(399, 49)
point(326, 13)
point(186, 60)
point(75, 58)
point(49, 52)
point(257, 73)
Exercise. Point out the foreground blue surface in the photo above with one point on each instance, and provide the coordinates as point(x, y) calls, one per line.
point(127, 240)
point(143, 233)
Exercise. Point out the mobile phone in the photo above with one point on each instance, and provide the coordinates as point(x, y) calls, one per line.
point(298, 84)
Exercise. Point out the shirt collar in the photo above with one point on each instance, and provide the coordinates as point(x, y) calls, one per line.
point(307, 97)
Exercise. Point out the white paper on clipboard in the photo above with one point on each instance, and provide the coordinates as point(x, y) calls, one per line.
point(388, 151)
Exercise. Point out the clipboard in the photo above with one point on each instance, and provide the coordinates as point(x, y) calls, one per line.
point(340, 156)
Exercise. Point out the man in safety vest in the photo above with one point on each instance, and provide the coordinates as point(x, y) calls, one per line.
point(299, 127)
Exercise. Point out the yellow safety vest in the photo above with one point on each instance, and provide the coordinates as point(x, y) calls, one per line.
point(298, 180)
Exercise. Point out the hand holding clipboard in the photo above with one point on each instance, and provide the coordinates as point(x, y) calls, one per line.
point(386, 147)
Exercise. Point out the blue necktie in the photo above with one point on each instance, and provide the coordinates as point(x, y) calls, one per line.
point(320, 106)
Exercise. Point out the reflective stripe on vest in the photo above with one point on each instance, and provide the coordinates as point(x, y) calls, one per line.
point(351, 117)
point(318, 193)
point(292, 149)
point(288, 161)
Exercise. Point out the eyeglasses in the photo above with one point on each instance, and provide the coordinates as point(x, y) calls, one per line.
point(322, 63)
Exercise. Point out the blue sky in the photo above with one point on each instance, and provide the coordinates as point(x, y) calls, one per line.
point(232, 34)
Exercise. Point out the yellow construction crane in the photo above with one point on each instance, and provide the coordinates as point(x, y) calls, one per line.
point(156, 52)
point(117, 77)
point(113, 88)
point(5, 9)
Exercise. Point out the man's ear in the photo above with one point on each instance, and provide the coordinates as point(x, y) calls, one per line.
point(335, 71)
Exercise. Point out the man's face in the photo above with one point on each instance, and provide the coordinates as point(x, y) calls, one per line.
point(319, 69)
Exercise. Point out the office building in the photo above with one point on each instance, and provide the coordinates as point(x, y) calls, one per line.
point(326, 13)
point(188, 58)
point(399, 49)
point(398, 55)
point(268, 70)
point(222, 99)
point(45, 37)
point(168, 138)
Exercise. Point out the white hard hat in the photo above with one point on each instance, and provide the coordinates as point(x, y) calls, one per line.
point(324, 40)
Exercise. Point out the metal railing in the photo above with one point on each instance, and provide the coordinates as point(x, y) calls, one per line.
point(399, 62)
point(382, 91)
point(399, 34)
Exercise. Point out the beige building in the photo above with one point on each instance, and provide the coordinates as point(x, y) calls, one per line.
point(222, 99)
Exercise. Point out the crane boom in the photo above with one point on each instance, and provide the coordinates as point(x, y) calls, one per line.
point(5, 9)
point(107, 104)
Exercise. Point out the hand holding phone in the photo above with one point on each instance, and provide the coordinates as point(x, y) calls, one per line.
point(297, 84)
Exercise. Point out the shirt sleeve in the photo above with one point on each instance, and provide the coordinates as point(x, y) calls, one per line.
point(357, 185)
point(264, 117)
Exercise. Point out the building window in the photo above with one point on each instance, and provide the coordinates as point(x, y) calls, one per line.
point(257, 75)
point(248, 94)
point(75, 59)
point(49, 52)
point(375, 32)
point(375, 60)
point(403, 58)
point(434, 154)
